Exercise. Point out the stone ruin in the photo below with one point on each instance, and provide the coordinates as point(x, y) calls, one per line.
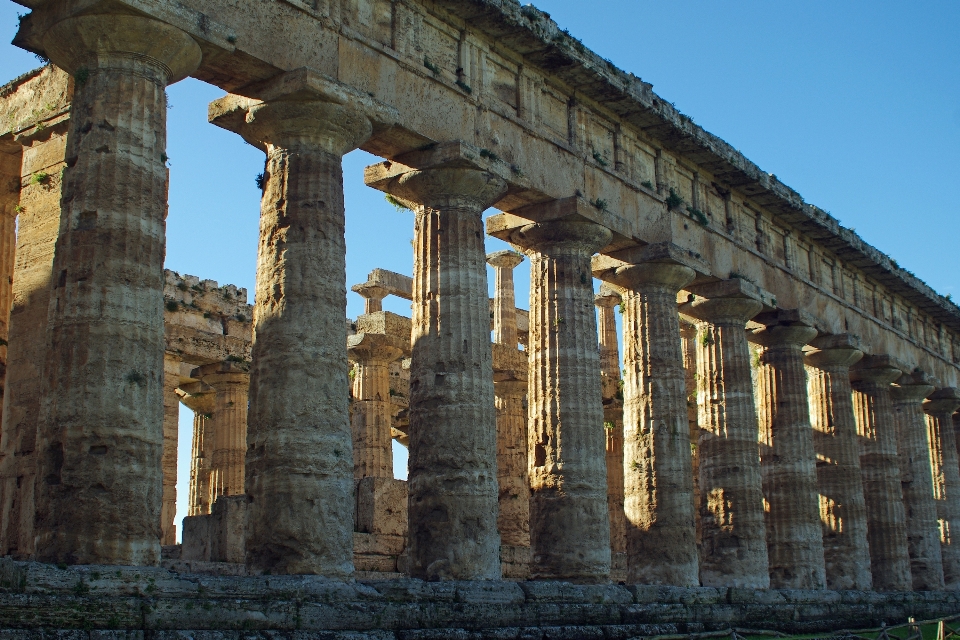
point(778, 450)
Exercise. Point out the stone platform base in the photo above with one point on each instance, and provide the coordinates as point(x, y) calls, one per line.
point(141, 602)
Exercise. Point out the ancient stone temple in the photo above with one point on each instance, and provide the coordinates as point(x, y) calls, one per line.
point(718, 408)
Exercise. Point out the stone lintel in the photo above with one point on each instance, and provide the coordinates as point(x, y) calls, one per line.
point(665, 252)
point(385, 323)
point(219, 368)
point(395, 283)
point(508, 363)
point(503, 225)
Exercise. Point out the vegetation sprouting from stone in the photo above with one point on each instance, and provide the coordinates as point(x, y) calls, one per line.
point(396, 204)
point(599, 204)
point(674, 200)
point(434, 69)
point(261, 181)
point(699, 216)
point(647, 184)
point(600, 160)
point(489, 155)
point(467, 89)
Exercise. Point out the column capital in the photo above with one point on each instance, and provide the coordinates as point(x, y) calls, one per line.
point(668, 276)
point(562, 236)
point(840, 350)
point(506, 259)
point(372, 294)
point(912, 387)
point(784, 328)
point(374, 348)
point(219, 372)
point(100, 40)
point(943, 401)
point(727, 301)
point(198, 397)
point(608, 298)
point(880, 369)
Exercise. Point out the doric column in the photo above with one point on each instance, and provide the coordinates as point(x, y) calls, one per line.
point(171, 428)
point(202, 400)
point(658, 487)
point(569, 519)
point(688, 343)
point(843, 514)
point(876, 432)
point(231, 383)
point(734, 549)
point(371, 415)
point(9, 199)
point(916, 481)
point(787, 458)
point(946, 478)
point(101, 418)
point(299, 465)
point(452, 477)
point(610, 386)
point(372, 296)
point(510, 387)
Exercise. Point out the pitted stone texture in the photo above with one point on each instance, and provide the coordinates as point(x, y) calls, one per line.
point(788, 460)
point(880, 470)
point(688, 342)
point(946, 478)
point(734, 550)
point(569, 519)
point(452, 476)
point(658, 493)
point(231, 383)
point(171, 428)
point(371, 412)
point(607, 301)
point(202, 403)
point(843, 512)
point(923, 534)
point(101, 418)
point(382, 506)
point(299, 465)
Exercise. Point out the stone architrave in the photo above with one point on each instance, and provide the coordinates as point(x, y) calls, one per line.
point(452, 476)
point(372, 440)
point(202, 400)
point(734, 549)
point(569, 518)
point(916, 480)
point(610, 384)
point(939, 408)
point(658, 487)
point(510, 387)
point(171, 429)
point(101, 419)
point(843, 514)
point(876, 432)
point(231, 383)
point(299, 464)
point(788, 461)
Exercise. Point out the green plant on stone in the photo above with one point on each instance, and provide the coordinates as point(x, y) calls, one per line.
point(19, 208)
point(673, 200)
point(600, 160)
point(464, 87)
point(647, 184)
point(39, 178)
point(705, 338)
point(432, 67)
point(172, 305)
point(396, 204)
point(516, 170)
point(608, 425)
point(599, 204)
point(261, 181)
point(699, 216)
point(489, 155)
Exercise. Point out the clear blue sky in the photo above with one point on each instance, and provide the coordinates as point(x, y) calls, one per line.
point(856, 105)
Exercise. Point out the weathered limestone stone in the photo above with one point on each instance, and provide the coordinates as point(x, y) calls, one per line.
point(946, 478)
point(688, 341)
point(734, 550)
point(10, 164)
point(510, 387)
point(923, 534)
point(230, 382)
point(381, 506)
point(876, 431)
point(452, 475)
point(371, 410)
point(299, 466)
point(787, 457)
point(373, 296)
point(101, 421)
point(569, 518)
point(202, 400)
point(610, 387)
point(171, 428)
point(658, 493)
point(843, 512)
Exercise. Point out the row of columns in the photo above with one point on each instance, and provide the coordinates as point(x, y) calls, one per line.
point(101, 435)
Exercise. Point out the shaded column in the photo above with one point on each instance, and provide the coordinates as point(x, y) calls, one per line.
point(734, 549)
point(372, 413)
point(452, 477)
point(171, 428)
point(610, 386)
point(101, 420)
point(202, 401)
point(510, 387)
point(843, 514)
point(569, 519)
point(372, 296)
point(228, 446)
point(787, 458)
point(299, 463)
point(946, 478)
point(688, 343)
point(877, 436)
point(916, 481)
point(10, 161)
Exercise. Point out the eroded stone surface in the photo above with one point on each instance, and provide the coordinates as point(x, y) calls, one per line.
point(940, 408)
point(610, 385)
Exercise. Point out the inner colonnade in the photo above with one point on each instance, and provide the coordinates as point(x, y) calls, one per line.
point(818, 456)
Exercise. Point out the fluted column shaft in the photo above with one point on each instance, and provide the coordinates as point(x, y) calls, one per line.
point(607, 301)
point(880, 470)
point(788, 461)
point(946, 479)
point(371, 411)
point(658, 488)
point(843, 514)
point(734, 550)
point(171, 428)
point(513, 521)
point(201, 451)
point(916, 481)
point(569, 519)
point(504, 299)
point(228, 448)
point(9, 199)
point(299, 464)
point(688, 343)
point(101, 418)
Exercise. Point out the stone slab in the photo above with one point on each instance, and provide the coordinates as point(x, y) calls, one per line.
point(382, 506)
